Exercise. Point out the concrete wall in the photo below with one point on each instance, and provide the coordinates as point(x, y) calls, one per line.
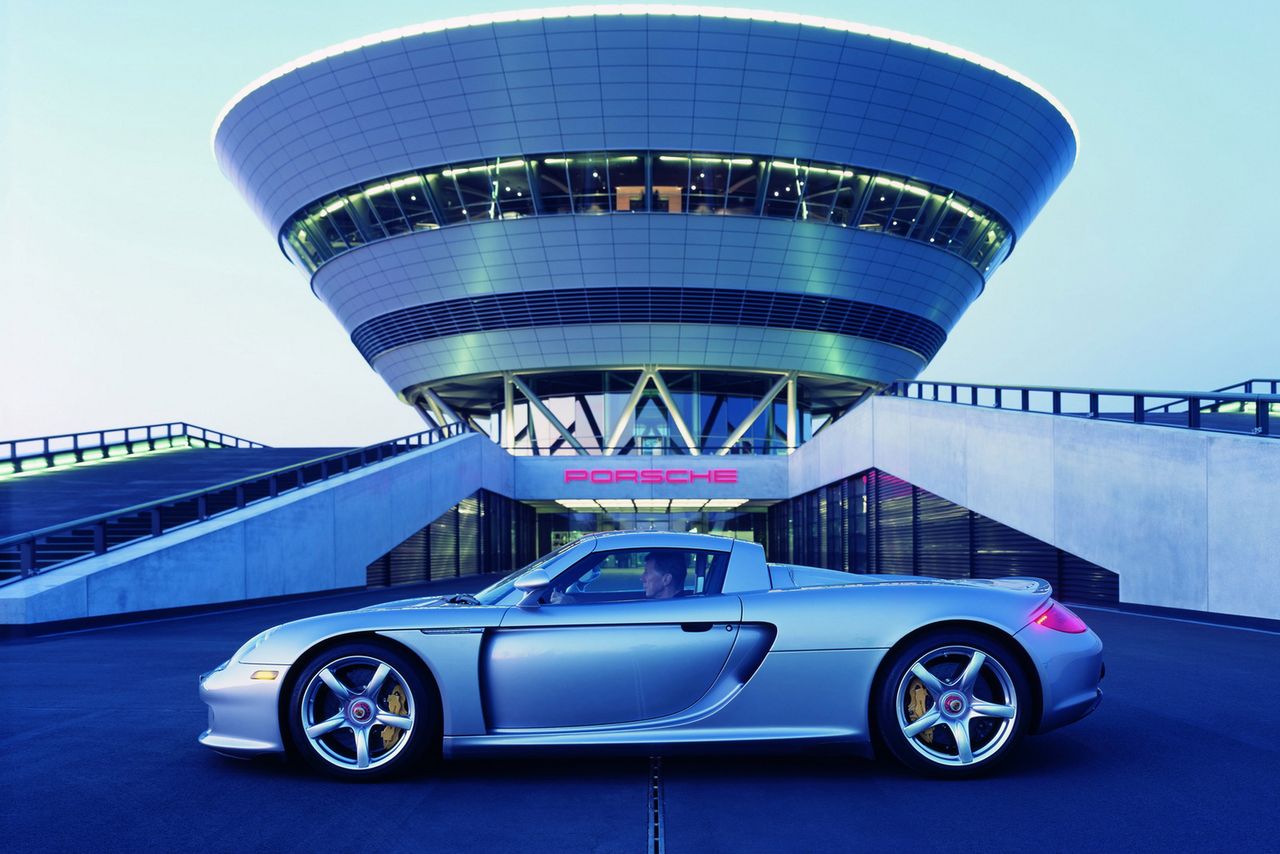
point(320, 537)
point(1186, 519)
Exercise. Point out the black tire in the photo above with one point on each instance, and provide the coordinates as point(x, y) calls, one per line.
point(992, 714)
point(405, 693)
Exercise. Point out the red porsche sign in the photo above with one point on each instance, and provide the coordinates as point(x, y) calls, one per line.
point(650, 476)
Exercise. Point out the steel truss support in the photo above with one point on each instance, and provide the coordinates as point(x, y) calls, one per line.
point(508, 413)
point(444, 413)
point(537, 404)
point(683, 429)
point(755, 414)
point(628, 409)
point(793, 415)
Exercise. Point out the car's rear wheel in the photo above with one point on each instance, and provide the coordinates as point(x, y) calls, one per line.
point(953, 703)
point(362, 711)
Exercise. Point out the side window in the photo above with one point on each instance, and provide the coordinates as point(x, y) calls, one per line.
point(638, 574)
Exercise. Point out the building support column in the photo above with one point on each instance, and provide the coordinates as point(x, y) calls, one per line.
point(793, 415)
point(628, 409)
point(683, 429)
point(755, 414)
point(508, 413)
point(444, 412)
point(537, 404)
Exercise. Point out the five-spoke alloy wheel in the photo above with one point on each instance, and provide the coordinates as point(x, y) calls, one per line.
point(361, 711)
point(953, 704)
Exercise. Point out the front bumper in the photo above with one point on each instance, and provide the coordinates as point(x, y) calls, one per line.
point(244, 718)
point(1070, 667)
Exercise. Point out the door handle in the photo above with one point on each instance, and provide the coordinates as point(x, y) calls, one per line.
point(695, 627)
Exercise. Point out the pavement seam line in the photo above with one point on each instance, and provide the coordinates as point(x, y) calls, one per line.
point(657, 842)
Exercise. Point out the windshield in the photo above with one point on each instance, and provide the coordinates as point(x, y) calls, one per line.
point(496, 592)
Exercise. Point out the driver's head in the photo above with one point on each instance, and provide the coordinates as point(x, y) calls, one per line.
point(663, 575)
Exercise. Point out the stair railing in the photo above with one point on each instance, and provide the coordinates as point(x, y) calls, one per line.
point(1134, 404)
point(42, 452)
point(56, 545)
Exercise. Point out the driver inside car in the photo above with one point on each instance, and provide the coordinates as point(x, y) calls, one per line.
point(664, 574)
point(663, 578)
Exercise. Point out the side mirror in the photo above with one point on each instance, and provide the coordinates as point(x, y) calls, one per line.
point(534, 579)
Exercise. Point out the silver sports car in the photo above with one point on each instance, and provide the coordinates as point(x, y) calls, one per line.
point(657, 641)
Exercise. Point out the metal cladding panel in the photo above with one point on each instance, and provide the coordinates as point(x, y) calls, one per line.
point(710, 347)
point(646, 250)
point(644, 81)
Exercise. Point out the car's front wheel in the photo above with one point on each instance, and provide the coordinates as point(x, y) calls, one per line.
point(953, 703)
point(362, 711)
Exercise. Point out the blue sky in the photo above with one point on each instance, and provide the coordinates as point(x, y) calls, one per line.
point(136, 286)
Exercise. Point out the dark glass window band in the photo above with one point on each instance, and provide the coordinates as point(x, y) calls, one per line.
point(648, 305)
point(651, 183)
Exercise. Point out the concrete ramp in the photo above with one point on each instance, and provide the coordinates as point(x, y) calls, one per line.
point(1187, 519)
point(319, 537)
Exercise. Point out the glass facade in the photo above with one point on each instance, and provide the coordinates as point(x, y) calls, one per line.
point(484, 532)
point(557, 528)
point(877, 523)
point(605, 414)
point(652, 183)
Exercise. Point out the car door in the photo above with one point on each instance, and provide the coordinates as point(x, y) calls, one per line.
point(606, 654)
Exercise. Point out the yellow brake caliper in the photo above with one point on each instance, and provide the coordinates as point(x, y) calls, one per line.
point(915, 708)
point(396, 706)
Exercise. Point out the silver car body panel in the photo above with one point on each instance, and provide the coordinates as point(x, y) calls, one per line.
point(242, 717)
point(782, 654)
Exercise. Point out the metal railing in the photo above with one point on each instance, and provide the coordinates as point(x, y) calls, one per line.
point(1265, 386)
point(1216, 411)
point(32, 552)
point(17, 455)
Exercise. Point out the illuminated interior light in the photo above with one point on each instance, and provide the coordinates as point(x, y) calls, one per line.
point(685, 504)
point(510, 164)
point(782, 164)
point(378, 190)
point(336, 206)
point(671, 158)
point(651, 503)
point(724, 503)
point(615, 503)
point(577, 503)
point(556, 161)
point(484, 167)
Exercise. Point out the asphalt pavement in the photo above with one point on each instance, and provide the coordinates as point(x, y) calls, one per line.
point(98, 753)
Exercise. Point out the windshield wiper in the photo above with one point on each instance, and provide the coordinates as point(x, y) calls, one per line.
point(463, 599)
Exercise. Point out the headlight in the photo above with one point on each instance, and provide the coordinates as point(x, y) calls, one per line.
point(253, 644)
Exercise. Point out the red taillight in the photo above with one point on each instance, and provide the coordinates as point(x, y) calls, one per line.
point(1059, 618)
